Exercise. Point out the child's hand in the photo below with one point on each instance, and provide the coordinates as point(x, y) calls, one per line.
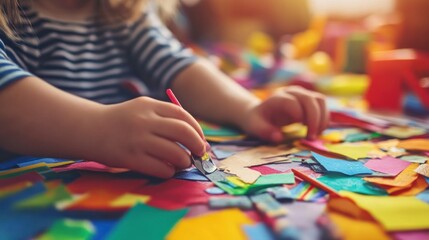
point(286, 106)
point(142, 135)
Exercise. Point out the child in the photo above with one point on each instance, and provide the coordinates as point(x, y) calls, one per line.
point(63, 67)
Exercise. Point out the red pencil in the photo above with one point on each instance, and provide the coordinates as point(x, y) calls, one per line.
point(173, 98)
point(315, 183)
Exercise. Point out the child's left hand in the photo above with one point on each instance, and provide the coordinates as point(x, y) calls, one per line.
point(287, 105)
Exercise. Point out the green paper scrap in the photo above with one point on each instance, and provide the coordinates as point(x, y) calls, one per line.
point(69, 229)
point(231, 189)
point(351, 184)
point(357, 137)
point(146, 222)
point(264, 181)
point(46, 199)
point(218, 131)
point(280, 178)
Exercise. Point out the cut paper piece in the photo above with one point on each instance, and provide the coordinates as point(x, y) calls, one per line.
point(424, 196)
point(388, 143)
point(315, 144)
point(388, 165)
point(28, 192)
point(129, 200)
point(333, 136)
point(294, 131)
point(358, 137)
point(405, 178)
point(246, 175)
point(211, 129)
point(357, 229)
point(28, 160)
point(26, 224)
point(49, 162)
point(255, 156)
point(415, 158)
point(46, 199)
point(352, 150)
point(39, 167)
point(90, 166)
point(236, 187)
point(423, 169)
point(31, 177)
point(104, 182)
point(393, 213)
point(280, 178)
point(175, 193)
point(100, 200)
point(403, 131)
point(265, 170)
point(69, 229)
point(307, 192)
point(193, 174)
point(103, 227)
point(350, 183)
point(416, 187)
point(14, 188)
point(415, 144)
point(225, 224)
point(258, 231)
point(414, 235)
point(341, 166)
point(146, 222)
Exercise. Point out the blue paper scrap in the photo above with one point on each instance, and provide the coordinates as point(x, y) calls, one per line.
point(341, 166)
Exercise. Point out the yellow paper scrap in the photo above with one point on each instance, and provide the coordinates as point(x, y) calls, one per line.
point(404, 179)
point(416, 187)
point(423, 170)
point(357, 229)
point(224, 224)
point(394, 213)
point(415, 144)
point(129, 200)
point(388, 143)
point(353, 150)
point(403, 131)
point(21, 169)
point(333, 137)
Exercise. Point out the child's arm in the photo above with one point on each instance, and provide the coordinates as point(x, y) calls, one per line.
point(209, 94)
point(38, 119)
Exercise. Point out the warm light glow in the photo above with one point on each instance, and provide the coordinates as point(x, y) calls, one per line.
point(351, 8)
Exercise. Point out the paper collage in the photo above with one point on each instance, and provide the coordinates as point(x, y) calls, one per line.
point(379, 181)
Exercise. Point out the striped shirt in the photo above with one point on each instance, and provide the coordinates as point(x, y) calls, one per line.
point(95, 61)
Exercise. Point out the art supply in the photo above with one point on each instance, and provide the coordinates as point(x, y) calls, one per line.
point(314, 182)
point(204, 163)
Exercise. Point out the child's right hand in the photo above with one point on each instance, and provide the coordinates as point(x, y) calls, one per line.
point(142, 135)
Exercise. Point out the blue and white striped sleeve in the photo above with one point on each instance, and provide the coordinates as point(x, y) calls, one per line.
point(157, 56)
point(9, 71)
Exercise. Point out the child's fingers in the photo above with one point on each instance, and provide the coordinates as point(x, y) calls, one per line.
point(152, 166)
point(324, 113)
point(311, 113)
point(173, 111)
point(168, 151)
point(180, 131)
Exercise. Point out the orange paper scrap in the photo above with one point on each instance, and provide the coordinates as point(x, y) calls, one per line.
point(404, 179)
point(415, 144)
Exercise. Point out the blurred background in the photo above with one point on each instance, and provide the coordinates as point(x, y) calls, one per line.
point(371, 55)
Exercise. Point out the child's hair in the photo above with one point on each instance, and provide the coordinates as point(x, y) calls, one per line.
point(108, 11)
